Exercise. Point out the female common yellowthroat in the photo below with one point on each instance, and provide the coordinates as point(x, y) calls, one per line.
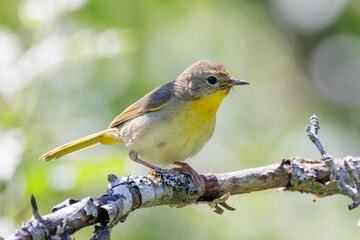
point(168, 125)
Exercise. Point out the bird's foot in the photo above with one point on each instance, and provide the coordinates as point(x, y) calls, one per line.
point(193, 174)
point(173, 172)
point(162, 171)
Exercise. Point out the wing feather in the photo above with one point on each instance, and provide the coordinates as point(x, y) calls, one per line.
point(153, 101)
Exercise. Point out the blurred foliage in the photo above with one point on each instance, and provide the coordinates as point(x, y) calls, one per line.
point(67, 68)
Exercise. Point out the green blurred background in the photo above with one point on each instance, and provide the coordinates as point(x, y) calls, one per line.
point(68, 67)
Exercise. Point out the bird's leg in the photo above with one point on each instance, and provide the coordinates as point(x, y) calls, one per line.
point(183, 167)
point(193, 174)
point(134, 156)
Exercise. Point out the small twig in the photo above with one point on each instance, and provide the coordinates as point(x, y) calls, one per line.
point(313, 134)
point(34, 209)
point(101, 233)
point(346, 189)
point(222, 202)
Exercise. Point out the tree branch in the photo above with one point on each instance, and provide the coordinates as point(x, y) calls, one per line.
point(134, 192)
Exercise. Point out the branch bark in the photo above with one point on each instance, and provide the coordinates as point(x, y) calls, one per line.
point(134, 192)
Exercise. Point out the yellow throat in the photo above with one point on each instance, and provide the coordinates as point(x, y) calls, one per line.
point(207, 107)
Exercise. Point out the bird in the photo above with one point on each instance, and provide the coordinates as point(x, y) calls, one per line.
point(168, 125)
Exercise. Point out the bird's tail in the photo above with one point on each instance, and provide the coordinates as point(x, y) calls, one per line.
point(109, 136)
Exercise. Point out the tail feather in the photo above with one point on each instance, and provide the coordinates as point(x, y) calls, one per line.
point(110, 136)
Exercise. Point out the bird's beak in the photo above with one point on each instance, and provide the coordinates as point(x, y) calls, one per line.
point(234, 82)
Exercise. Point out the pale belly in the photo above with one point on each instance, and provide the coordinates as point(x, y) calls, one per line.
point(163, 139)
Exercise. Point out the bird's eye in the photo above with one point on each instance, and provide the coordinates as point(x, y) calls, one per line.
point(211, 80)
